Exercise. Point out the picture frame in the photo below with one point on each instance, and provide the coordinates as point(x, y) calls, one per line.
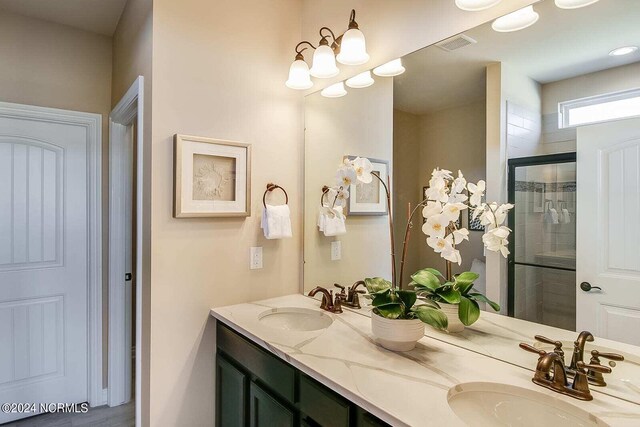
point(212, 178)
point(369, 199)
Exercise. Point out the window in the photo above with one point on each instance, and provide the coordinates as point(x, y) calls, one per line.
point(600, 108)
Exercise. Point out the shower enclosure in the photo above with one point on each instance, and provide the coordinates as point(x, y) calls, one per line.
point(542, 262)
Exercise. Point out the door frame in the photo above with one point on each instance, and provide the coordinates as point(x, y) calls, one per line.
point(514, 163)
point(92, 123)
point(127, 112)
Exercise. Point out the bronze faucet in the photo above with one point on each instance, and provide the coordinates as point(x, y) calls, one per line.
point(327, 300)
point(595, 377)
point(578, 350)
point(350, 298)
point(552, 374)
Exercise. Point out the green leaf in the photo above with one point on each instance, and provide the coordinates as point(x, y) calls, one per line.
point(408, 299)
point(377, 284)
point(448, 294)
point(426, 278)
point(390, 311)
point(429, 302)
point(479, 297)
point(384, 297)
point(465, 281)
point(435, 272)
point(468, 311)
point(431, 316)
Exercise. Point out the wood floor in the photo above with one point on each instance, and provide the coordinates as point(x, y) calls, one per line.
point(102, 416)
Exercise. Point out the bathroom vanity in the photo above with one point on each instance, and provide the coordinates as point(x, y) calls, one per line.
point(285, 359)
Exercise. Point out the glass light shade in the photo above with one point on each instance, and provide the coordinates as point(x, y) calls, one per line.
point(334, 91)
point(390, 69)
point(299, 76)
point(361, 80)
point(324, 63)
point(515, 21)
point(574, 4)
point(476, 5)
point(621, 51)
point(353, 48)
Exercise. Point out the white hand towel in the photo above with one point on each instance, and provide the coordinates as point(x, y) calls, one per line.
point(276, 222)
point(551, 217)
point(322, 217)
point(566, 216)
point(334, 225)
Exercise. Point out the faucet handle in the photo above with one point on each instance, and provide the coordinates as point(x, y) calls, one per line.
point(596, 355)
point(532, 349)
point(557, 345)
point(593, 367)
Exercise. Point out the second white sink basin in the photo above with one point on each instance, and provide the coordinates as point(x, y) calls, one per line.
point(492, 404)
point(295, 319)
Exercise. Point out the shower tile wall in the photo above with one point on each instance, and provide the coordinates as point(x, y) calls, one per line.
point(524, 131)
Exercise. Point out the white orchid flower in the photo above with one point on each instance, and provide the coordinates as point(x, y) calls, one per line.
point(495, 240)
point(457, 198)
point(478, 210)
point(459, 184)
point(437, 191)
point(487, 218)
point(477, 192)
point(363, 168)
point(439, 244)
point(345, 176)
point(431, 209)
point(441, 174)
point(436, 226)
point(451, 211)
point(501, 213)
point(342, 195)
point(451, 254)
point(460, 235)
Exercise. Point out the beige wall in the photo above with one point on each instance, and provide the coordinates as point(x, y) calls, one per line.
point(57, 66)
point(407, 186)
point(394, 28)
point(359, 124)
point(454, 139)
point(218, 71)
point(132, 52)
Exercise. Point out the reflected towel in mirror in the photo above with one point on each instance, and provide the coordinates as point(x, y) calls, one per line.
point(331, 221)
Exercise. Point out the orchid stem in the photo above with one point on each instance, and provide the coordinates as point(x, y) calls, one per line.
point(407, 234)
point(393, 246)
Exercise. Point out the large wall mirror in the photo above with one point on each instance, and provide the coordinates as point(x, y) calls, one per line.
point(549, 117)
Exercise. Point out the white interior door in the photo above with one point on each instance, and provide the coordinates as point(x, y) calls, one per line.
point(43, 262)
point(608, 230)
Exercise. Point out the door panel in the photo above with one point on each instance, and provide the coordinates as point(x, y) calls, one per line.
point(43, 262)
point(609, 229)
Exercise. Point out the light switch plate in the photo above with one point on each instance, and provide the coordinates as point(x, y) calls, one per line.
point(256, 258)
point(336, 250)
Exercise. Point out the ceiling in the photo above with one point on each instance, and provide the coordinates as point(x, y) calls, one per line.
point(98, 16)
point(562, 44)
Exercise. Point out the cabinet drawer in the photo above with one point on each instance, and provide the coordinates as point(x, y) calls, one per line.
point(323, 406)
point(272, 371)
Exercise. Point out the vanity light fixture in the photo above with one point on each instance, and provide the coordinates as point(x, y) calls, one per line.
point(476, 5)
point(621, 51)
point(299, 72)
point(390, 69)
point(361, 80)
point(574, 4)
point(350, 49)
point(336, 90)
point(516, 21)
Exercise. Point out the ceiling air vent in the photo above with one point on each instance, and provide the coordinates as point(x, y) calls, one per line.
point(456, 42)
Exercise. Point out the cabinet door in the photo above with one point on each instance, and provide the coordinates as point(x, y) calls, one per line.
point(265, 411)
point(231, 388)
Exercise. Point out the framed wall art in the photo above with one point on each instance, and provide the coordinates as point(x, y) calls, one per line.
point(370, 199)
point(212, 178)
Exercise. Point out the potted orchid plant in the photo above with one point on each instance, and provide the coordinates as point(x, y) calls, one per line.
point(399, 315)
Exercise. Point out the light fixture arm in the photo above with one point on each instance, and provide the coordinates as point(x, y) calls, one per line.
point(352, 20)
point(299, 51)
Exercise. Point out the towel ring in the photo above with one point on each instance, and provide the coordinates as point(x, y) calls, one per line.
point(325, 191)
point(271, 187)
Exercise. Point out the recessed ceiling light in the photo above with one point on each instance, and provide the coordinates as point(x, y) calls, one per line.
point(626, 50)
point(515, 21)
point(475, 5)
point(574, 4)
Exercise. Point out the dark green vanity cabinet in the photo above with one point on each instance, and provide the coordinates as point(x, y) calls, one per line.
point(257, 389)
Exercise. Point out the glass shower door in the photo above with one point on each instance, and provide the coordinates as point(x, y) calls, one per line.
point(542, 262)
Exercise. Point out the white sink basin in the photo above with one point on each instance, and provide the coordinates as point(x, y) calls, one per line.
point(491, 404)
point(295, 319)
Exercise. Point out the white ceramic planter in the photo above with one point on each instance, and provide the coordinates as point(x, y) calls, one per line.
point(451, 310)
point(396, 335)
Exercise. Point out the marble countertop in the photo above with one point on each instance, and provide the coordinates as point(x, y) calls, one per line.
point(404, 389)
